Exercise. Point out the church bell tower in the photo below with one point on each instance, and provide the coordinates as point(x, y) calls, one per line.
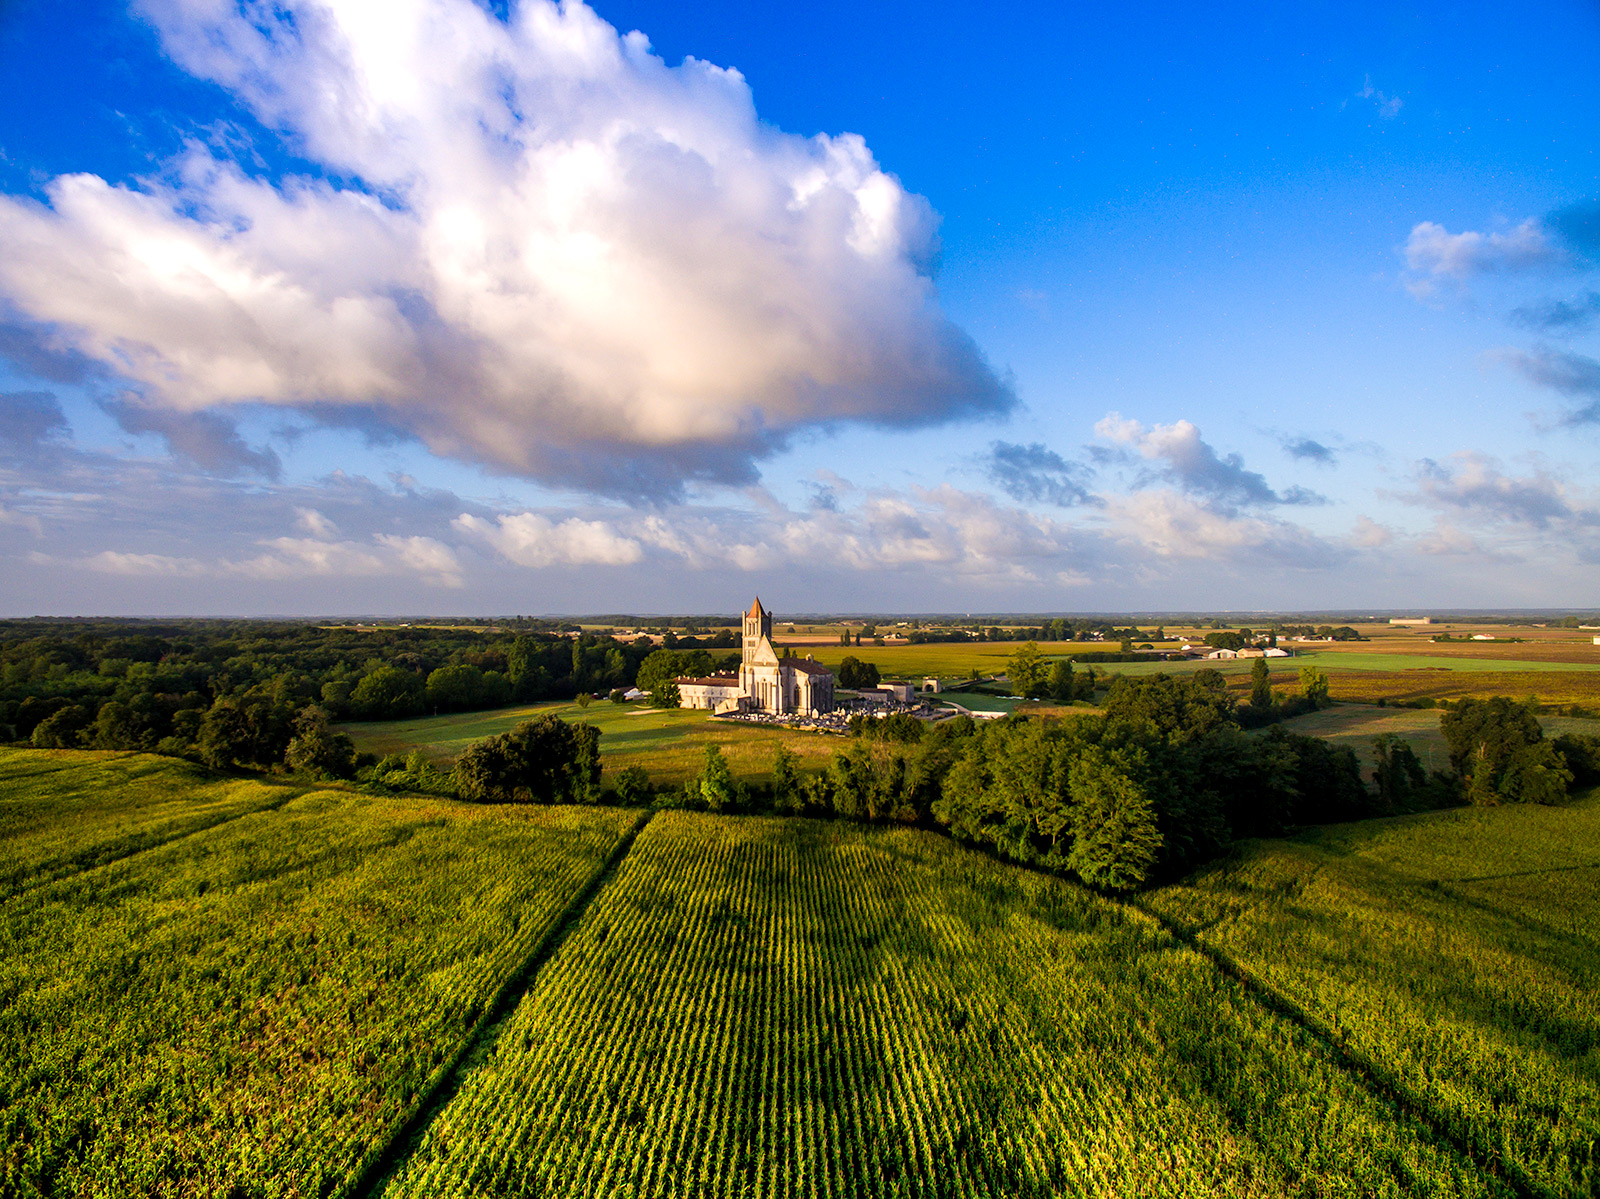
point(757, 624)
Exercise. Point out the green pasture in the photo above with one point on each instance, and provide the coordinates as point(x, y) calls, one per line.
point(977, 701)
point(1355, 725)
point(442, 738)
point(668, 743)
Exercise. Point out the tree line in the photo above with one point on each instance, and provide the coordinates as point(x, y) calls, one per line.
point(237, 693)
point(1164, 778)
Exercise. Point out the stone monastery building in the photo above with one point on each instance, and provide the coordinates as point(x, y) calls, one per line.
point(766, 682)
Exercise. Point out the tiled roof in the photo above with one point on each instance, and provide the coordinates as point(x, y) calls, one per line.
point(806, 666)
point(719, 680)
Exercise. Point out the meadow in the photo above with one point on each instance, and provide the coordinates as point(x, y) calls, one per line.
point(253, 1008)
point(668, 743)
point(1355, 726)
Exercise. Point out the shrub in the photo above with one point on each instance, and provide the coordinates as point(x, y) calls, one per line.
point(543, 760)
point(318, 749)
point(632, 786)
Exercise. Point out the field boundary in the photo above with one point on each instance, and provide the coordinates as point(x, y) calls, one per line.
point(370, 1175)
point(1366, 1071)
point(75, 868)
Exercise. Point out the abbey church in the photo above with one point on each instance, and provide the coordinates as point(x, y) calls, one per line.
point(766, 683)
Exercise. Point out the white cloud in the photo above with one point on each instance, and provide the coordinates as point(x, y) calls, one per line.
point(431, 560)
point(301, 557)
point(21, 520)
point(529, 539)
point(1195, 466)
point(315, 523)
point(1447, 540)
point(1434, 254)
point(113, 562)
point(1170, 525)
point(423, 558)
point(1368, 534)
point(565, 258)
point(1474, 484)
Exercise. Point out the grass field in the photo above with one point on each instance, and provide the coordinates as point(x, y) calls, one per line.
point(1457, 952)
point(794, 1008)
point(1390, 667)
point(255, 1007)
point(669, 744)
point(1356, 725)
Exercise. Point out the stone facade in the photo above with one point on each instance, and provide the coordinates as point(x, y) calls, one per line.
point(766, 682)
point(711, 693)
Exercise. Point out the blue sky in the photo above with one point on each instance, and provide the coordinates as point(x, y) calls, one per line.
point(423, 307)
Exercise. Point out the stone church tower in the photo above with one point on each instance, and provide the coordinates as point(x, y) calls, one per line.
point(757, 624)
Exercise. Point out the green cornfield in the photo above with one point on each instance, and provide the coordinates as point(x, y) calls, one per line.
point(241, 988)
point(64, 810)
point(1456, 953)
point(768, 1007)
point(255, 1007)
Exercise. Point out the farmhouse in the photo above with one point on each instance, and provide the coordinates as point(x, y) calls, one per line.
point(765, 682)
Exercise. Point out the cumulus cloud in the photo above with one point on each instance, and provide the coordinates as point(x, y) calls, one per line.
point(208, 440)
point(1171, 525)
point(529, 539)
point(1038, 474)
point(31, 352)
point(114, 562)
point(1187, 460)
point(422, 558)
point(1474, 484)
point(315, 523)
point(1368, 534)
point(1571, 374)
point(554, 253)
point(941, 529)
point(1434, 255)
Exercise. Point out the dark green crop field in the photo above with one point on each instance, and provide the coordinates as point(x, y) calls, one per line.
point(255, 1007)
point(222, 987)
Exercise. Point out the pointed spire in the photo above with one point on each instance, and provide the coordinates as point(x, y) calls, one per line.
point(755, 609)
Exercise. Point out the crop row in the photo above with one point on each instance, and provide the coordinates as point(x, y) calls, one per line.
point(1459, 950)
point(254, 1009)
point(790, 1008)
point(65, 811)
